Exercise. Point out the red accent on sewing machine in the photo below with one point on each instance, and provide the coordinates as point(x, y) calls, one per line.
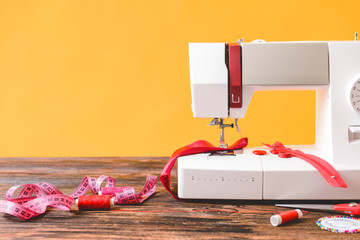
point(235, 75)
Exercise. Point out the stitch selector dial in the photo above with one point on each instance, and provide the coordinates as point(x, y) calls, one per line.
point(355, 94)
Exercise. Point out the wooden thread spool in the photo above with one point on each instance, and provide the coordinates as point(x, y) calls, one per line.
point(95, 202)
point(285, 217)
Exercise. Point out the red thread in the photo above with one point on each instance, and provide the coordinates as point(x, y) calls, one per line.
point(285, 217)
point(289, 216)
point(94, 202)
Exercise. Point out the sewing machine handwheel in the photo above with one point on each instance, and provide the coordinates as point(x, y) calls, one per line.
point(354, 94)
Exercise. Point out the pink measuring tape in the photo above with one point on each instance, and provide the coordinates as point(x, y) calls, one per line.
point(26, 206)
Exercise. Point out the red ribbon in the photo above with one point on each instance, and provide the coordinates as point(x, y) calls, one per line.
point(200, 146)
point(324, 168)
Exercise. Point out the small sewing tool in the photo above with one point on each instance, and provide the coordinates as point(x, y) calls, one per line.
point(285, 217)
point(351, 208)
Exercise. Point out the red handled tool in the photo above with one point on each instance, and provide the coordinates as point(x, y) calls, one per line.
point(352, 208)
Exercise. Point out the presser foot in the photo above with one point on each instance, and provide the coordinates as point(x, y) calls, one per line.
point(222, 126)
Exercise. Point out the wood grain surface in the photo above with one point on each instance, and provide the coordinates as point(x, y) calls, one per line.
point(160, 217)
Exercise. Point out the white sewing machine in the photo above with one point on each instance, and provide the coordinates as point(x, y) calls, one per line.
point(223, 79)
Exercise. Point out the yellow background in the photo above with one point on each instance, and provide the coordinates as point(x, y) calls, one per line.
point(111, 78)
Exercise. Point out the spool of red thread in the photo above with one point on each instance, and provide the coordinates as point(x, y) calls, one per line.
point(285, 217)
point(95, 202)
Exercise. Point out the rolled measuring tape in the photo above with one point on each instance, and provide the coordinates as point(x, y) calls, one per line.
point(110, 190)
point(26, 206)
point(339, 224)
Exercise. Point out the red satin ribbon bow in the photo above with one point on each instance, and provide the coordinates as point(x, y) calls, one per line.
point(324, 168)
point(200, 146)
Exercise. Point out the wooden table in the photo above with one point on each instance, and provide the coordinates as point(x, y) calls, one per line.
point(160, 217)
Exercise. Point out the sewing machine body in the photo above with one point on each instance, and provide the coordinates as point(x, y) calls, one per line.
point(249, 176)
point(330, 68)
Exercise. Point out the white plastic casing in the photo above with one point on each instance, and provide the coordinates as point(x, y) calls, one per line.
point(285, 64)
point(295, 179)
point(249, 176)
point(209, 80)
point(273, 64)
point(219, 177)
point(334, 126)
